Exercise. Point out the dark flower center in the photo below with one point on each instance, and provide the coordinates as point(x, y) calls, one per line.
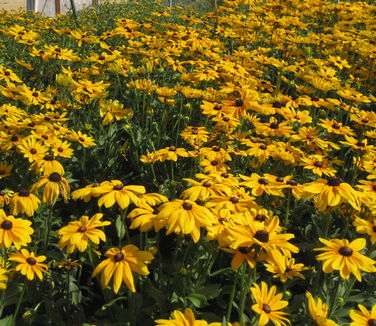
point(224, 175)
point(318, 164)
point(365, 120)
point(55, 177)
point(309, 137)
point(81, 139)
point(260, 217)
point(234, 200)
point(81, 229)
point(226, 119)
point(315, 98)
point(118, 187)
point(334, 182)
point(360, 144)
point(217, 107)
point(262, 181)
point(60, 149)
point(374, 229)
point(279, 179)
point(263, 147)
point(187, 206)
point(206, 184)
point(222, 219)
point(6, 225)
point(172, 149)
point(101, 57)
point(266, 308)
point(277, 105)
point(291, 182)
point(239, 102)
point(336, 126)
point(49, 157)
point(345, 251)
point(23, 193)
point(216, 149)
point(14, 138)
point(245, 250)
point(288, 269)
point(31, 261)
point(274, 125)
point(214, 163)
point(33, 151)
point(262, 236)
point(371, 322)
point(118, 257)
point(35, 94)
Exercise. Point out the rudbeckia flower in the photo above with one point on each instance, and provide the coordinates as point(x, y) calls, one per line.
point(120, 263)
point(24, 202)
point(185, 216)
point(363, 317)
point(184, 319)
point(366, 227)
point(14, 231)
point(77, 234)
point(53, 186)
point(268, 305)
point(28, 264)
point(345, 257)
point(319, 311)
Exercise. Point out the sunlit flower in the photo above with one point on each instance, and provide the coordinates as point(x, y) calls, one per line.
point(28, 264)
point(319, 311)
point(363, 317)
point(24, 202)
point(53, 185)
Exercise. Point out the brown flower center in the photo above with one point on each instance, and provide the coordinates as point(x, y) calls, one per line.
point(23, 193)
point(365, 120)
point(336, 126)
point(172, 149)
point(31, 261)
point(214, 163)
point(288, 269)
point(49, 157)
point(245, 250)
point(277, 105)
point(291, 182)
point(81, 229)
point(239, 102)
point(187, 206)
point(262, 236)
point(263, 147)
point(274, 125)
point(6, 225)
point(234, 200)
point(334, 182)
point(218, 107)
point(260, 217)
point(262, 181)
point(345, 251)
point(206, 184)
point(118, 187)
point(318, 164)
point(371, 322)
point(55, 177)
point(266, 308)
point(118, 257)
point(224, 175)
point(33, 151)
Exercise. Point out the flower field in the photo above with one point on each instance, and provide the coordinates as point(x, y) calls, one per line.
point(165, 166)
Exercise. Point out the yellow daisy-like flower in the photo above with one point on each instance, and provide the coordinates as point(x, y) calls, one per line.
point(345, 257)
point(77, 234)
point(120, 263)
point(332, 192)
point(185, 216)
point(288, 271)
point(366, 227)
point(24, 202)
point(268, 305)
point(5, 170)
point(115, 192)
point(14, 231)
point(53, 186)
point(28, 264)
point(184, 319)
point(363, 317)
point(319, 311)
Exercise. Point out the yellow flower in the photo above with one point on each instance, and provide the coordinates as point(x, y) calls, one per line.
point(345, 257)
point(28, 264)
point(363, 317)
point(53, 186)
point(268, 305)
point(120, 263)
point(3, 278)
point(319, 311)
point(14, 231)
point(366, 227)
point(24, 202)
point(110, 109)
point(77, 234)
point(288, 271)
point(184, 319)
point(5, 170)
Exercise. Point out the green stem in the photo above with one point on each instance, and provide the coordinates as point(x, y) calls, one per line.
point(47, 228)
point(288, 209)
point(19, 304)
point(232, 294)
point(245, 291)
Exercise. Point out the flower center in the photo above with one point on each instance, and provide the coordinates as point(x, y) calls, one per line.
point(239, 102)
point(206, 184)
point(49, 157)
point(187, 206)
point(336, 126)
point(374, 229)
point(6, 225)
point(224, 175)
point(345, 251)
point(31, 261)
point(318, 164)
point(365, 120)
point(234, 200)
point(260, 217)
point(214, 163)
point(23, 193)
point(172, 149)
point(262, 181)
point(360, 144)
point(334, 182)
point(274, 125)
point(118, 257)
point(118, 187)
point(55, 177)
point(218, 107)
point(33, 151)
point(263, 147)
point(81, 229)
point(262, 236)
point(266, 308)
point(371, 322)
point(291, 182)
point(277, 105)
point(288, 269)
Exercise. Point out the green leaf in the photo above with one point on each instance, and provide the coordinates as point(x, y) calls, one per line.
point(7, 321)
point(120, 227)
point(198, 300)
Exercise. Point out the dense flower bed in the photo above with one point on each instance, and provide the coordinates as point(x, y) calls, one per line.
point(160, 166)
